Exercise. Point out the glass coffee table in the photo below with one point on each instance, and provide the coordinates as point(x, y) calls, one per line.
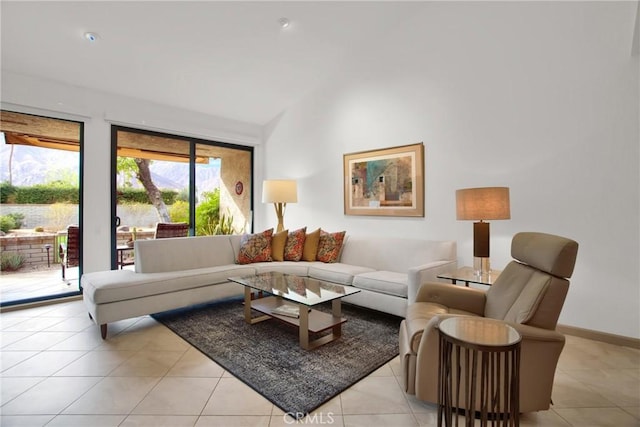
point(289, 298)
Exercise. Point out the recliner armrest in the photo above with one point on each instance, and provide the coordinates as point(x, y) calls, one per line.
point(460, 298)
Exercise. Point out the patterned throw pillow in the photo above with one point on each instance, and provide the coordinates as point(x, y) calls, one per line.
point(329, 246)
point(295, 244)
point(255, 247)
point(277, 245)
point(311, 246)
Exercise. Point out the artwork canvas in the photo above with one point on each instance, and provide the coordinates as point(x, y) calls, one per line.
point(388, 182)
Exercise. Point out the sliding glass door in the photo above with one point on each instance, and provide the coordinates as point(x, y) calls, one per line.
point(41, 201)
point(159, 177)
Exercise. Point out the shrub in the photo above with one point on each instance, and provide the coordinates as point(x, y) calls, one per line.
point(60, 215)
point(179, 211)
point(39, 229)
point(7, 193)
point(18, 218)
point(7, 223)
point(11, 261)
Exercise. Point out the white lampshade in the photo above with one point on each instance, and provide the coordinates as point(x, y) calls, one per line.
point(279, 191)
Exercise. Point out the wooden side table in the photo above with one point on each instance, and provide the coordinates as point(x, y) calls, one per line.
point(467, 275)
point(479, 367)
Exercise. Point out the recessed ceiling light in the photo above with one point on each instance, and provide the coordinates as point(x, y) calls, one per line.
point(92, 37)
point(284, 22)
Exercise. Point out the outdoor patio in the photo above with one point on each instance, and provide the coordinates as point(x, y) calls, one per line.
point(37, 283)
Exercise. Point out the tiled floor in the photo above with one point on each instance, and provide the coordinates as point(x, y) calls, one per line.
point(56, 371)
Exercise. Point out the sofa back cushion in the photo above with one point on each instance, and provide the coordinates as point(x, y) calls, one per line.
point(182, 253)
point(395, 253)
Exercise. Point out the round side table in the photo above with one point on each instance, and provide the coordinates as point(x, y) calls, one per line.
point(479, 371)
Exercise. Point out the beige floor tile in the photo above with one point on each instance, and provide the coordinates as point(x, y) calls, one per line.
point(79, 341)
point(570, 393)
point(313, 419)
point(147, 364)
point(38, 341)
point(49, 396)
point(12, 358)
point(232, 397)
point(159, 421)
point(177, 396)
point(121, 341)
point(234, 421)
point(600, 417)
point(86, 421)
point(328, 410)
point(427, 419)
point(7, 322)
point(616, 385)
point(24, 420)
point(633, 410)
point(383, 371)
point(542, 418)
point(374, 395)
point(419, 407)
point(67, 310)
point(380, 420)
point(9, 338)
point(35, 324)
point(43, 364)
point(113, 395)
point(195, 364)
point(95, 364)
point(73, 324)
point(13, 387)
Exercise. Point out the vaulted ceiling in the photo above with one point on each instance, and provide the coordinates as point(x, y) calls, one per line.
point(227, 59)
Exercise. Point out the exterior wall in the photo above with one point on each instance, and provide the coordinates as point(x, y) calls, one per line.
point(44, 215)
point(32, 248)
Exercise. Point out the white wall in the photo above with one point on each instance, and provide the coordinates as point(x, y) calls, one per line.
point(98, 111)
point(539, 96)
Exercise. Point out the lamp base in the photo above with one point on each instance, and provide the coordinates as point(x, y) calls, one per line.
point(481, 266)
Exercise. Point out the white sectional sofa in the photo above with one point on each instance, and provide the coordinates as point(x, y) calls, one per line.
point(179, 272)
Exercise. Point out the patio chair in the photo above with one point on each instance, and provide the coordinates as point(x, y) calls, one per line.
point(70, 251)
point(171, 229)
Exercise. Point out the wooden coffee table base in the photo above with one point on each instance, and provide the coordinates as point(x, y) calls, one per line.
point(308, 321)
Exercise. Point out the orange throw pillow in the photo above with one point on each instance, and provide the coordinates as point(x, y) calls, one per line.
point(311, 246)
point(295, 245)
point(255, 247)
point(329, 246)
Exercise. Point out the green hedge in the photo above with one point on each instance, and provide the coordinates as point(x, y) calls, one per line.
point(44, 194)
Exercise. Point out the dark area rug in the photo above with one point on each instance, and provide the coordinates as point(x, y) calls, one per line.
point(267, 356)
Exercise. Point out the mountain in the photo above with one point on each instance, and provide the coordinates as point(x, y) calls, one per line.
point(35, 165)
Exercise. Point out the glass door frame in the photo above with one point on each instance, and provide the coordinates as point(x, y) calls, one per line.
point(80, 215)
point(193, 142)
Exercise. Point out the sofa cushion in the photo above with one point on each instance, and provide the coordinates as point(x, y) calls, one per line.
point(121, 285)
point(295, 245)
point(339, 273)
point(385, 282)
point(311, 245)
point(329, 246)
point(255, 247)
point(288, 267)
point(278, 242)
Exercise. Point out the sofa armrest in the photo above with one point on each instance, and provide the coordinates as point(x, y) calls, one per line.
point(426, 273)
point(457, 297)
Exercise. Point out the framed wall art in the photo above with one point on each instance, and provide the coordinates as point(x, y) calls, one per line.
point(385, 182)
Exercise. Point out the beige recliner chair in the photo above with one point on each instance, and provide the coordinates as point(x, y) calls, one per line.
point(528, 295)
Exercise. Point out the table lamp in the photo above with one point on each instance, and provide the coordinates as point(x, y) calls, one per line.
point(279, 192)
point(481, 204)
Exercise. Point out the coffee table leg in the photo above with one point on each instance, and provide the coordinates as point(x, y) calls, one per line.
point(336, 308)
point(247, 308)
point(303, 328)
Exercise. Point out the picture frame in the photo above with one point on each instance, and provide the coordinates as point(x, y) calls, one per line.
point(385, 182)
